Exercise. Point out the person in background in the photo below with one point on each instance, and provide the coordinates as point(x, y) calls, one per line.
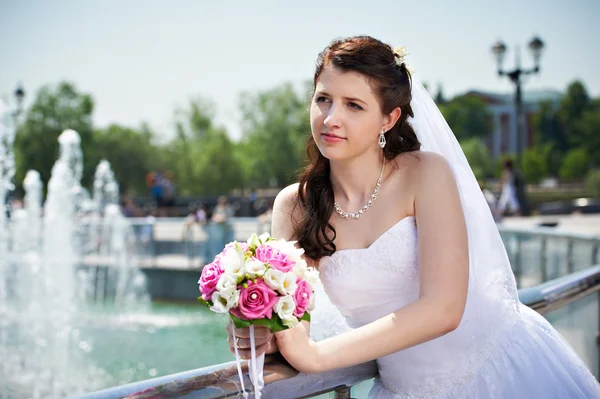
point(220, 231)
point(508, 202)
point(490, 198)
point(196, 217)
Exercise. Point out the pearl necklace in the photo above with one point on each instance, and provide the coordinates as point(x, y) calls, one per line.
point(357, 215)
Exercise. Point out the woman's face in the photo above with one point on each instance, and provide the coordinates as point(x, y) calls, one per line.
point(345, 114)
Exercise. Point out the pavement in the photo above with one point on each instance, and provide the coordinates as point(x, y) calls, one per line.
point(171, 230)
point(573, 224)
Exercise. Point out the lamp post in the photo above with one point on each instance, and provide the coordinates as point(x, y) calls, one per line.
point(19, 95)
point(499, 50)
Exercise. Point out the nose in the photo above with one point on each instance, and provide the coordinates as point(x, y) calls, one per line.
point(333, 117)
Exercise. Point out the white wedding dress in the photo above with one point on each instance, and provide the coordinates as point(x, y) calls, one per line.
point(502, 349)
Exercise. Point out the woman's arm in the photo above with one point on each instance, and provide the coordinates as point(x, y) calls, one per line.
point(443, 269)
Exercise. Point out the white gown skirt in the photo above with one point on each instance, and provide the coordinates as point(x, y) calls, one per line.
point(532, 361)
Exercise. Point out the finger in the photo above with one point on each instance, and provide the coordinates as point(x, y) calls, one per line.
point(272, 346)
point(246, 354)
point(262, 333)
point(261, 349)
point(245, 343)
point(242, 332)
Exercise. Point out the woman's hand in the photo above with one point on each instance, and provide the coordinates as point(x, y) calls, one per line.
point(297, 348)
point(264, 341)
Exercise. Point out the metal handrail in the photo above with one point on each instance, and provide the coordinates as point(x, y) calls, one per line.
point(282, 381)
point(561, 291)
point(540, 231)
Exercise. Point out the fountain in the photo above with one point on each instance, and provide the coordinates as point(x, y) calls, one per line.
point(49, 297)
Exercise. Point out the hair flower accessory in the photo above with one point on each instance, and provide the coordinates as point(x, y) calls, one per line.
point(400, 54)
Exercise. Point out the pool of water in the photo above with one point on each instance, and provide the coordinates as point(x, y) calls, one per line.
point(167, 338)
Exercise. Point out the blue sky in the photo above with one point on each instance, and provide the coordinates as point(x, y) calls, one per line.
point(142, 59)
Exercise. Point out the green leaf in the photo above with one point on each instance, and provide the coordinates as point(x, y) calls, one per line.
point(240, 323)
point(305, 317)
point(208, 304)
point(274, 324)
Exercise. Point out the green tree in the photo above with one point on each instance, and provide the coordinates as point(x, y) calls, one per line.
point(573, 105)
point(575, 164)
point(478, 156)
point(216, 166)
point(534, 163)
point(440, 99)
point(587, 131)
point(201, 156)
point(468, 117)
point(593, 181)
point(130, 152)
point(276, 127)
point(55, 109)
point(549, 134)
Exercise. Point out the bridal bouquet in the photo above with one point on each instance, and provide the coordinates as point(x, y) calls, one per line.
point(264, 282)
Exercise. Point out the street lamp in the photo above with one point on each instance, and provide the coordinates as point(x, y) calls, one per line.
point(536, 46)
point(19, 95)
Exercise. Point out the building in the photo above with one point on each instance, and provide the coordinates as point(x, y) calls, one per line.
point(504, 118)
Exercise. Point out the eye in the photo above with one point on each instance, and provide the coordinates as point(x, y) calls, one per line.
point(355, 106)
point(321, 99)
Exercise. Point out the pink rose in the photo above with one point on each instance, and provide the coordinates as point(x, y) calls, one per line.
point(209, 279)
point(256, 301)
point(274, 257)
point(231, 245)
point(302, 297)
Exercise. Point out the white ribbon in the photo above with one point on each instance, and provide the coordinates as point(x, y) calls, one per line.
point(238, 364)
point(255, 366)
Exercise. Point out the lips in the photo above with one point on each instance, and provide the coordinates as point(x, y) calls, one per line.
point(332, 138)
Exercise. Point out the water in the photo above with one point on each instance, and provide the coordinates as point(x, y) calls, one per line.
point(53, 312)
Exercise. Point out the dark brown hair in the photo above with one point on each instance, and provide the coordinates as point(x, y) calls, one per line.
point(392, 85)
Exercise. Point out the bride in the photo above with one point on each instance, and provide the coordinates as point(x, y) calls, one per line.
point(407, 249)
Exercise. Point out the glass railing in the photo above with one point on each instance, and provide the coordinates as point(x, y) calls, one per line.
point(541, 254)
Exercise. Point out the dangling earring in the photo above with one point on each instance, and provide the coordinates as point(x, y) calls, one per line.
point(382, 139)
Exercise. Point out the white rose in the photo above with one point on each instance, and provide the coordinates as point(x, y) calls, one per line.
point(300, 268)
point(288, 248)
point(233, 258)
point(234, 300)
point(227, 282)
point(219, 303)
point(255, 268)
point(311, 303)
point(285, 307)
point(290, 322)
point(223, 301)
point(312, 277)
point(233, 262)
point(274, 279)
point(289, 284)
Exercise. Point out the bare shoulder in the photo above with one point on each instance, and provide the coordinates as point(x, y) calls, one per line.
point(286, 213)
point(286, 199)
point(432, 166)
point(421, 166)
point(435, 179)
